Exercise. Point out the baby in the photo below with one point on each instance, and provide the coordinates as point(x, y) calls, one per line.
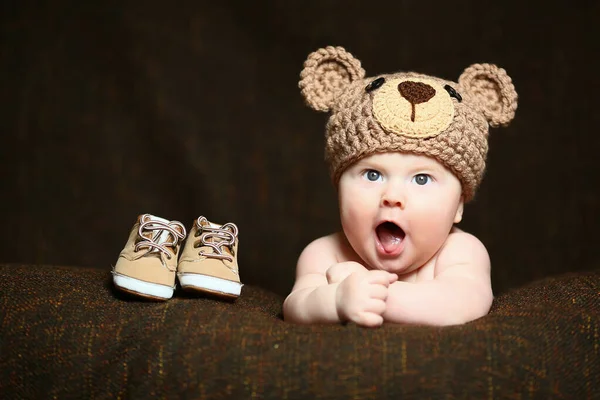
point(405, 151)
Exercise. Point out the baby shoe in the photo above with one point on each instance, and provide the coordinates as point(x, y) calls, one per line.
point(208, 261)
point(146, 266)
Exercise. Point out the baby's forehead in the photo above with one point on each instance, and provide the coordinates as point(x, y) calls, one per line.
point(400, 159)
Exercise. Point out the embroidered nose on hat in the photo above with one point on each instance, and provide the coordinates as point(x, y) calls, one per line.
point(416, 93)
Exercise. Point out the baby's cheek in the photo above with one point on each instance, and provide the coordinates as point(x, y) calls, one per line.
point(432, 230)
point(355, 210)
point(354, 219)
point(431, 221)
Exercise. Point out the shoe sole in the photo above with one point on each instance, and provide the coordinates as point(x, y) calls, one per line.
point(210, 284)
point(137, 287)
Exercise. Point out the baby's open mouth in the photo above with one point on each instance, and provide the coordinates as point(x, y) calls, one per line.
point(390, 236)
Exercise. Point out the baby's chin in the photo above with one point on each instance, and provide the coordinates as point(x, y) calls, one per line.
point(394, 266)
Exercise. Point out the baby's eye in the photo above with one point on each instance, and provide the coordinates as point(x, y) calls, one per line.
point(372, 175)
point(422, 179)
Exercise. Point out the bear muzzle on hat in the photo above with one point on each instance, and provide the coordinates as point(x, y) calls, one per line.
point(407, 112)
point(413, 107)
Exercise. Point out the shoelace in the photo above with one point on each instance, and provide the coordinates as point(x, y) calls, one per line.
point(147, 225)
point(226, 233)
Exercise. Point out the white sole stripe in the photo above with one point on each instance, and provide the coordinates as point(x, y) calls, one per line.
point(210, 283)
point(142, 287)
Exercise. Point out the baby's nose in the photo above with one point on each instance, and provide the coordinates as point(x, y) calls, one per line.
point(393, 198)
point(392, 203)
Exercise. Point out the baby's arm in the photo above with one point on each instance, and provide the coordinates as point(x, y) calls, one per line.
point(460, 292)
point(329, 291)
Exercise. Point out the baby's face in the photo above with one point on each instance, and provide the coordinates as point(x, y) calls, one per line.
point(397, 209)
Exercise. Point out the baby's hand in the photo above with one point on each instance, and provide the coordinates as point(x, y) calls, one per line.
point(360, 297)
point(340, 271)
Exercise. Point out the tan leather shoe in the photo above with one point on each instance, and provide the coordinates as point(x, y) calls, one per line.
point(147, 265)
point(208, 261)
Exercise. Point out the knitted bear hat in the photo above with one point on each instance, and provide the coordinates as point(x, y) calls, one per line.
point(407, 112)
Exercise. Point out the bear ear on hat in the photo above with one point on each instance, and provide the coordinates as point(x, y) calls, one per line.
point(326, 72)
point(493, 91)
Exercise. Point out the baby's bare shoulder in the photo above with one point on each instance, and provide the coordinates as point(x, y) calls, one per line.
point(463, 253)
point(320, 254)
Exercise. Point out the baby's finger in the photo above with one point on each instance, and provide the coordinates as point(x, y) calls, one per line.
point(375, 306)
point(380, 277)
point(377, 291)
point(369, 319)
point(393, 277)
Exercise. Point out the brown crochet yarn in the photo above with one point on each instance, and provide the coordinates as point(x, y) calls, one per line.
point(407, 112)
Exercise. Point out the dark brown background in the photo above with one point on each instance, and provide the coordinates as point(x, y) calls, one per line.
point(113, 109)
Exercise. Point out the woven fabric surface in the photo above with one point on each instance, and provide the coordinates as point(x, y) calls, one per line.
point(65, 333)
